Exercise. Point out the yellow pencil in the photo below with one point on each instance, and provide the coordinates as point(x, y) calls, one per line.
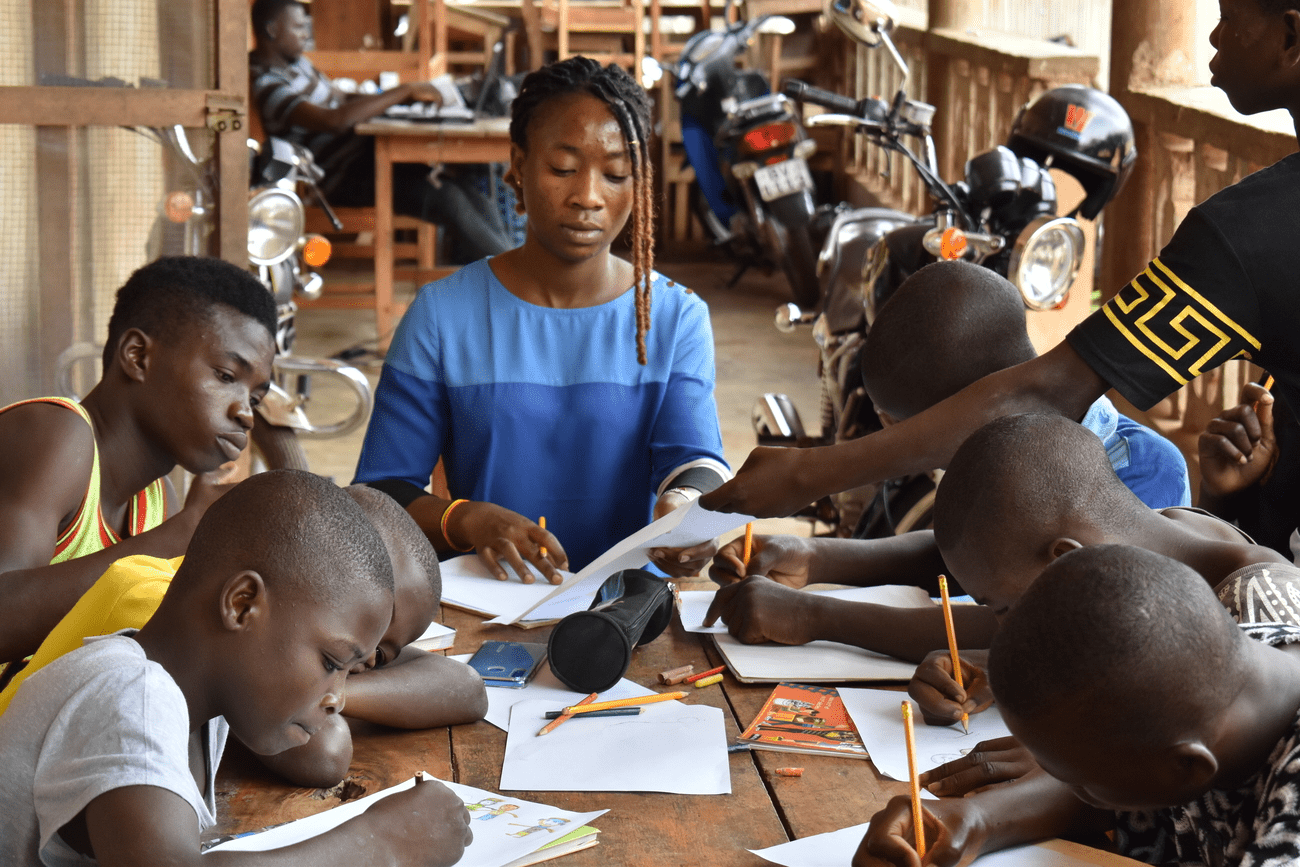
point(551, 726)
point(624, 702)
point(1268, 383)
point(915, 780)
point(952, 645)
point(541, 522)
point(749, 547)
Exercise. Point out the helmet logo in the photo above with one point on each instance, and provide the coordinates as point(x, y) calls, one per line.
point(1076, 118)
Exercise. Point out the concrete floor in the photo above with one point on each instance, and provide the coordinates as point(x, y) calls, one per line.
point(752, 358)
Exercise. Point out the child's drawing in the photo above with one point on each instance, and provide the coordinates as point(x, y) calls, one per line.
point(491, 808)
point(548, 825)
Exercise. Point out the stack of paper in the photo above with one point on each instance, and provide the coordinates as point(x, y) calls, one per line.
point(508, 832)
point(467, 584)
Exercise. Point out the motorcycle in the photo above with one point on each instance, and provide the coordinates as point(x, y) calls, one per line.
point(282, 256)
point(1001, 215)
point(749, 150)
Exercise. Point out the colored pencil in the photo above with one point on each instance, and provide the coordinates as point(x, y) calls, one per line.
point(749, 547)
point(914, 780)
point(567, 713)
point(623, 702)
point(952, 645)
point(704, 674)
point(614, 711)
point(541, 522)
point(1268, 383)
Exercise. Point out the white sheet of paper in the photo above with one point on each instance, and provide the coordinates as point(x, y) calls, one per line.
point(466, 583)
point(670, 747)
point(436, 630)
point(694, 604)
point(878, 717)
point(686, 525)
point(836, 848)
point(547, 687)
point(815, 662)
point(495, 819)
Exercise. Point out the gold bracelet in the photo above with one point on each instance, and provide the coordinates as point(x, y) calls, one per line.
point(446, 513)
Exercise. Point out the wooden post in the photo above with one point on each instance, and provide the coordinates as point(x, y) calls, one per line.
point(231, 143)
point(952, 15)
point(1151, 43)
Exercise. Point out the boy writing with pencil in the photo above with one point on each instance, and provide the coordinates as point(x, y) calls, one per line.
point(188, 357)
point(397, 685)
point(1153, 714)
point(285, 587)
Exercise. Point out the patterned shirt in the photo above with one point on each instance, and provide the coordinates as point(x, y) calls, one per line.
point(1256, 824)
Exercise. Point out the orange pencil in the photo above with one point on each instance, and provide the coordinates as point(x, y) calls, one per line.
point(914, 779)
point(952, 645)
point(541, 522)
point(624, 702)
point(704, 674)
point(1268, 383)
point(749, 546)
point(553, 724)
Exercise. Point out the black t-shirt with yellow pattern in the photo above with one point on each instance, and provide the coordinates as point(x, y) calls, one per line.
point(1227, 285)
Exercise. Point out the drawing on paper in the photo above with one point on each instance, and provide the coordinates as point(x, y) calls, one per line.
point(548, 825)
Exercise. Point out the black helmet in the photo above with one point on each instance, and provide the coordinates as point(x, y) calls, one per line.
point(1084, 132)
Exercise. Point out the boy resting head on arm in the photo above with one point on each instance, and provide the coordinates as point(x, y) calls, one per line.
point(285, 587)
point(1153, 712)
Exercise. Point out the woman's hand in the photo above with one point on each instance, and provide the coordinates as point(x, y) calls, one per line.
point(681, 562)
point(498, 534)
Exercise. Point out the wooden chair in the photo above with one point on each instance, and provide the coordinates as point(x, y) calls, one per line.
point(598, 29)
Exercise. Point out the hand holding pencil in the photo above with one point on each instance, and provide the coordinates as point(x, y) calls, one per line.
point(935, 690)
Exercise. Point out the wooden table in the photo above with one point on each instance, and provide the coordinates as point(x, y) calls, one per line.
point(406, 141)
point(640, 828)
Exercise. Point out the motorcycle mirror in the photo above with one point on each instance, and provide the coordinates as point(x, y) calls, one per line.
point(866, 21)
point(777, 25)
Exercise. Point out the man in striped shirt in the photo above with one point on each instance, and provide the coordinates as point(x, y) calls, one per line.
point(300, 103)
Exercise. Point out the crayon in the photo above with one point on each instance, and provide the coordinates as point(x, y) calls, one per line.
point(584, 707)
point(613, 711)
point(703, 674)
point(567, 713)
point(789, 772)
point(676, 675)
point(708, 681)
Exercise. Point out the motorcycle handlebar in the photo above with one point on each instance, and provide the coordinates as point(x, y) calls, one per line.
point(802, 92)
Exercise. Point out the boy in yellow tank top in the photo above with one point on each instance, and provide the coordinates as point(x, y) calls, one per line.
point(188, 356)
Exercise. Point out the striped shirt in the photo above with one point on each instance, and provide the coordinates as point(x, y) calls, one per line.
point(278, 90)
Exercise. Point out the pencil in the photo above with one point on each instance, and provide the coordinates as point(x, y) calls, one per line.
point(1268, 383)
point(541, 522)
point(914, 779)
point(567, 713)
point(749, 547)
point(623, 702)
point(703, 674)
point(613, 711)
point(952, 645)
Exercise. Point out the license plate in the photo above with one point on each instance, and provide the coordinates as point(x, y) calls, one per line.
point(782, 179)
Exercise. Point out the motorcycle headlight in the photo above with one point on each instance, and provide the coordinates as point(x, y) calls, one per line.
point(1045, 260)
point(275, 223)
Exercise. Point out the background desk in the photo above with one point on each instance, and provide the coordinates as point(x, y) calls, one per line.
point(404, 141)
point(639, 829)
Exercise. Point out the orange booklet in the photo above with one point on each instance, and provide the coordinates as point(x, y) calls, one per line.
point(798, 718)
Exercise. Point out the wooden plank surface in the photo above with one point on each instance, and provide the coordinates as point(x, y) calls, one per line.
point(641, 828)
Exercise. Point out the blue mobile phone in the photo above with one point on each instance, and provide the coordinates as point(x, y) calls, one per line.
point(507, 663)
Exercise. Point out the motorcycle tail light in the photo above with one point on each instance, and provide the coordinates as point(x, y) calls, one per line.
point(178, 206)
point(768, 136)
point(316, 250)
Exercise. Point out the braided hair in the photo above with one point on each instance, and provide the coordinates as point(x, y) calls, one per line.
point(630, 105)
